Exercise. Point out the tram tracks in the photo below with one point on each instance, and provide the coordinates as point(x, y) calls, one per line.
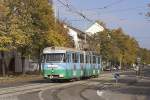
point(24, 89)
point(40, 88)
point(81, 88)
point(29, 88)
point(55, 91)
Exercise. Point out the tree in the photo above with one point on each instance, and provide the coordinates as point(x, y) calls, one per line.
point(128, 46)
point(19, 27)
point(47, 31)
point(102, 44)
point(28, 26)
point(144, 54)
point(59, 36)
point(115, 46)
point(5, 40)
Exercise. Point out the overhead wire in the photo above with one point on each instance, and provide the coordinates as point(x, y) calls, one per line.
point(81, 14)
point(124, 10)
point(72, 8)
point(75, 11)
point(108, 5)
point(113, 3)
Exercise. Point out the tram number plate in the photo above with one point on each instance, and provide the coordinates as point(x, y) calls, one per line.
point(52, 66)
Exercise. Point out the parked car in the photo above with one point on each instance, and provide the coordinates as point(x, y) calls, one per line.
point(107, 69)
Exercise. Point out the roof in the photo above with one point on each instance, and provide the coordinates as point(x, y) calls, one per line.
point(80, 33)
point(94, 28)
point(59, 50)
point(64, 49)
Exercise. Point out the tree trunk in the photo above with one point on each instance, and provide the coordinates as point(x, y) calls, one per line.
point(23, 65)
point(39, 60)
point(3, 64)
point(39, 64)
point(120, 63)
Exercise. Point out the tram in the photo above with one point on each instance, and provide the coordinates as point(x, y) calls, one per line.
point(67, 63)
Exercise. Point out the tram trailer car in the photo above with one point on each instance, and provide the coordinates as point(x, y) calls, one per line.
point(66, 63)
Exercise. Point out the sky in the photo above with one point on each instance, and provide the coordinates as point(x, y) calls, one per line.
point(127, 14)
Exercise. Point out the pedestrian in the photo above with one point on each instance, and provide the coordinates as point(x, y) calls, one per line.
point(116, 76)
point(137, 69)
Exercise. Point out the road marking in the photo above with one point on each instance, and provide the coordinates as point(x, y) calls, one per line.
point(22, 90)
point(100, 93)
point(40, 95)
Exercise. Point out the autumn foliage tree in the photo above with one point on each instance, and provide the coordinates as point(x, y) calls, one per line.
point(5, 39)
point(115, 47)
point(28, 26)
point(144, 54)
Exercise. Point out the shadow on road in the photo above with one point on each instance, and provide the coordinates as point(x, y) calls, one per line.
point(40, 81)
point(133, 85)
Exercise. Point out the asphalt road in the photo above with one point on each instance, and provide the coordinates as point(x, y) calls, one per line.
point(129, 87)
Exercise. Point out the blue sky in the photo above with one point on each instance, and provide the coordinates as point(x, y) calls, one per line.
point(128, 14)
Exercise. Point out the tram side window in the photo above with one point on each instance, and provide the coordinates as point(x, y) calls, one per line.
point(68, 57)
point(94, 59)
point(75, 57)
point(87, 60)
point(98, 60)
point(90, 59)
point(81, 58)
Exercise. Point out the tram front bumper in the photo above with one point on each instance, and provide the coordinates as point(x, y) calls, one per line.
point(55, 76)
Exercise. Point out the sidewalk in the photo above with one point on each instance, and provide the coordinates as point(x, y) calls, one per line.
point(18, 80)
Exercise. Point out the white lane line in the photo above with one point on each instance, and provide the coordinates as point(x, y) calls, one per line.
point(101, 93)
point(40, 95)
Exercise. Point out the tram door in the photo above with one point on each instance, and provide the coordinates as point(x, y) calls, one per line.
point(74, 64)
point(69, 65)
point(77, 62)
point(97, 65)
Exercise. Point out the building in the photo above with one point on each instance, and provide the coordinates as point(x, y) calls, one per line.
point(80, 38)
point(77, 35)
point(94, 28)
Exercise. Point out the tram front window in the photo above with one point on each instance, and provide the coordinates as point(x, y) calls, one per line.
point(55, 57)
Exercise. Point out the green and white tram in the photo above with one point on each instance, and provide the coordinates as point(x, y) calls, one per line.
point(66, 63)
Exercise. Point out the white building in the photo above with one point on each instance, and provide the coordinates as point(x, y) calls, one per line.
point(95, 28)
point(77, 36)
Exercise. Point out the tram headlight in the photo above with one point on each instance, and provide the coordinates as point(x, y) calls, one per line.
point(61, 75)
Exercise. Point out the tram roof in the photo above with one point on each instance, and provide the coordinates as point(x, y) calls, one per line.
point(65, 49)
point(59, 50)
